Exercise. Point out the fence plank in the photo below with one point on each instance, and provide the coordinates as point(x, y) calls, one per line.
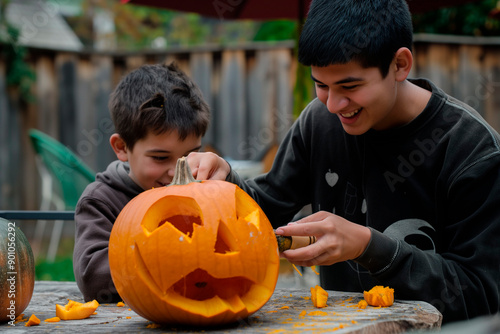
point(231, 105)
point(284, 93)
point(201, 64)
point(4, 138)
point(261, 93)
point(11, 153)
point(67, 81)
point(46, 95)
point(102, 128)
point(491, 87)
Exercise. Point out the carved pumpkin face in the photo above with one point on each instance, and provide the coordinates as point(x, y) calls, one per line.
point(197, 254)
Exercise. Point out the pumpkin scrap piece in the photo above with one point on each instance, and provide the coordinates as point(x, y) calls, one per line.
point(54, 319)
point(20, 318)
point(318, 313)
point(362, 304)
point(313, 268)
point(319, 296)
point(296, 269)
point(32, 321)
point(379, 296)
point(75, 310)
point(120, 304)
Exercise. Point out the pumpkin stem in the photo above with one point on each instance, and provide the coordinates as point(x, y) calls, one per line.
point(183, 173)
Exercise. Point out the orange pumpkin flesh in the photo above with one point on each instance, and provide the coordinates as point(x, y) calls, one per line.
point(379, 296)
point(319, 296)
point(32, 321)
point(17, 271)
point(75, 310)
point(201, 253)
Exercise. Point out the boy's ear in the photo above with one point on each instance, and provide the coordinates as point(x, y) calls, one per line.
point(403, 61)
point(119, 147)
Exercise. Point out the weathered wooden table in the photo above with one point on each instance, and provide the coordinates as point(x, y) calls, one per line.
point(282, 314)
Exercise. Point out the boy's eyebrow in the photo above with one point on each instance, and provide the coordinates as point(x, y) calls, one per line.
point(197, 148)
point(165, 151)
point(341, 82)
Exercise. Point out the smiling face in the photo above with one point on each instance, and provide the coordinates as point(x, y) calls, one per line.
point(363, 99)
point(359, 96)
point(152, 159)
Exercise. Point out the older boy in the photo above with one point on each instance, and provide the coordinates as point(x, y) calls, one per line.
point(159, 116)
point(404, 180)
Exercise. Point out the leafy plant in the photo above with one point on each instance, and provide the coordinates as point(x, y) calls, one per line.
point(471, 19)
point(19, 75)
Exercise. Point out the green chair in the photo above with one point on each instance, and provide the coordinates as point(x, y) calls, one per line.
point(64, 176)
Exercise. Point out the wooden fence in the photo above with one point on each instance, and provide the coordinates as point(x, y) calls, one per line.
point(249, 89)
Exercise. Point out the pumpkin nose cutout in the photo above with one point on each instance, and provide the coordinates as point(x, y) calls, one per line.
point(225, 242)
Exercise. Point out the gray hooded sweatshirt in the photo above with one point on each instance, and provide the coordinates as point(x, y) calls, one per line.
point(95, 214)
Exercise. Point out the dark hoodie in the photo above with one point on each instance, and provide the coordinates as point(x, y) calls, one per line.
point(95, 214)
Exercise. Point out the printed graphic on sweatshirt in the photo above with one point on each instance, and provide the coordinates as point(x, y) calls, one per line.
point(331, 178)
point(413, 231)
point(351, 196)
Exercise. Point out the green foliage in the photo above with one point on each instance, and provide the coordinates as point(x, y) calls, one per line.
point(19, 75)
point(276, 31)
point(62, 268)
point(303, 91)
point(59, 270)
point(469, 19)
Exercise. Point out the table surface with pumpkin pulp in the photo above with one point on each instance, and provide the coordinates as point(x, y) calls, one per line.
point(287, 311)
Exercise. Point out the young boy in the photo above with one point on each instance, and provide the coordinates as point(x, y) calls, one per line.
point(159, 116)
point(404, 180)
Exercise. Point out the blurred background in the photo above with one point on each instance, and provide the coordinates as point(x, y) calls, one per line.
point(60, 60)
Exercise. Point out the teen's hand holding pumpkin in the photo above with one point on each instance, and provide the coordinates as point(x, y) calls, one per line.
point(337, 239)
point(208, 166)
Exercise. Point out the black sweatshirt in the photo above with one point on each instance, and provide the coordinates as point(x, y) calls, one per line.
point(429, 190)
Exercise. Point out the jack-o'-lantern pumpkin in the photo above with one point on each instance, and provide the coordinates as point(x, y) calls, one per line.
point(193, 253)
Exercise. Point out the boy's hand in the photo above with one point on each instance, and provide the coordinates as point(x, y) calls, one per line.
point(337, 239)
point(208, 166)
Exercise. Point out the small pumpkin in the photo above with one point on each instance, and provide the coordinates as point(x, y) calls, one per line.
point(379, 296)
point(319, 296)
point(75, 311)
point(17, 271)
point(193, 253)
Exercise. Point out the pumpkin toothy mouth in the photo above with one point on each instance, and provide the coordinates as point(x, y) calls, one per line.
point(200, 285)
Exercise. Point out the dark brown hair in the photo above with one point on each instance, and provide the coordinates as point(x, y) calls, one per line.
point(158, 98)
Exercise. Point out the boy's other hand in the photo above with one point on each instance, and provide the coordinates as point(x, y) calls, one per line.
point(337, 239)
point(208, 166)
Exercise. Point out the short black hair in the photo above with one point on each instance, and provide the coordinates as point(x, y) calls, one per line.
point(158, 98)
point(367, 31)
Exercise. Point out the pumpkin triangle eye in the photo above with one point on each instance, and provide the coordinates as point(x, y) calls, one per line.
point(225, 242)
point(183, 223)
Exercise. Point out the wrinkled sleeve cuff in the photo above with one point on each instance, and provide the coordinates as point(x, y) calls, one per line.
point(380, 253)
point(233, 177)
